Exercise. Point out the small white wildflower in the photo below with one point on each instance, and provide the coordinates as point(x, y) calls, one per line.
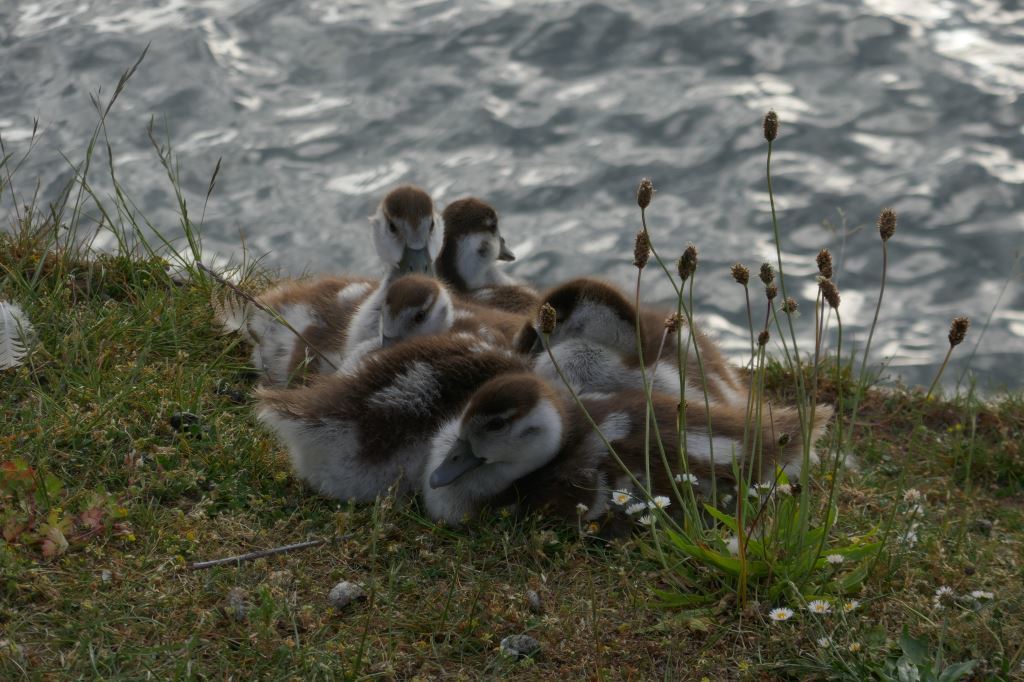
point(851, 605)
point(916, 510)
point(582, 509)
point(911, 495)
point(752, 492)
point(784, 489)
point(621, 497)
point(982, 594)
point(727, 500)
point(854, 647)
point(646, 520)
point(835, 559)
point(659, 502)
point(780, 614)
point(687, 478)
point(819, 606)
point(636, 508)
point(824, 642)
point(943, 596)
point(909, 538)
point(733, 545)
point(763, 487)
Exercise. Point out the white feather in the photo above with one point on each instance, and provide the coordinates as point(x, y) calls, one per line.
point(16, 335)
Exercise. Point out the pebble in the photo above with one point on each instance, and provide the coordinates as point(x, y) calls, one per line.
point(533, 601)
point(183, 420)
point(238, 607)
point(344, 593)
point(519, 646)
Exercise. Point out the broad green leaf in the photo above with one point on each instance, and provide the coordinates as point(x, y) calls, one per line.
point(956, 671)
point(727, 520)
point(915, 649)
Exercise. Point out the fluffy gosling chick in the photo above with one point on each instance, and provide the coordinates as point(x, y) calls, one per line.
point(594, 342)
point(352, 437)
point(473, 245)
point(519, 442)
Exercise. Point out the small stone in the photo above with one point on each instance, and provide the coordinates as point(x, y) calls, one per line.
point(982, 526)
point(344, 593)
point(238, 607)
point(183, 420)
point(519, 646)
point(533, 601)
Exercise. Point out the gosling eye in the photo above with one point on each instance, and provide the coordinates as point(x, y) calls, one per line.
point(431, 226)
point(494, 424)
point(419, 317)
point(483, 251)
point(392, 227)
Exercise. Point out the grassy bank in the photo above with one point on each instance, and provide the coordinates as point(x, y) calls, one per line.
point(110, 488)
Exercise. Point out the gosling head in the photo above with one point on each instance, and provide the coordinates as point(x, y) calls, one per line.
point(472, 245)
point(414, 305)
point(512, 426)
point(585, 309)
point(406, 231)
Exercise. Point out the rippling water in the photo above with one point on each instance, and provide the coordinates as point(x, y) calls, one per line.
point(554, 112)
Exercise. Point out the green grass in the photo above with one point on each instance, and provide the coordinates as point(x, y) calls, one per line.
point(104, 504)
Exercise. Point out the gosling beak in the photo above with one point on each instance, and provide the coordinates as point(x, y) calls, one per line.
point(459, 462)
point(416, 260)
point(505, 253)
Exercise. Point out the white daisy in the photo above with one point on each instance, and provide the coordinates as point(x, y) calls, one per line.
point(982, 594)
point(763, 487)
point(850, 605)
point(784, 489)
point(824, 642)
point(636, 508)
point(780, 614)
point(819, 606)
point(659, 502)
point(835, 559)
point(911, 495)
point(943, 596)
point(582, 509)
point(854, 647)
point(621, 497)
point(687, 478)
point(646, 520)
point(752, 492)
point(733, 545)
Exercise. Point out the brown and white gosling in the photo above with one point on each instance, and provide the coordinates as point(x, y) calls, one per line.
point(417, 305)
point(406, 236)
point(473, 245)
point(594, 343)
point(352, 437)
point(521, 443)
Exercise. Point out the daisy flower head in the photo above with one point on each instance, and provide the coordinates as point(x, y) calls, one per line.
point(819, 606)
point(636, 508)
point(824, 642)
point(764, 487)
point(784, 489)
point(646, 520)
point(911, 495)
point(687, 478)
point(982, 594)
point(621, 497)
point(659, 502)
point(835, 559)
point(854, 647)
point(850, 605)
point(943, 597)
point(752, 492)
point(780, 614)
